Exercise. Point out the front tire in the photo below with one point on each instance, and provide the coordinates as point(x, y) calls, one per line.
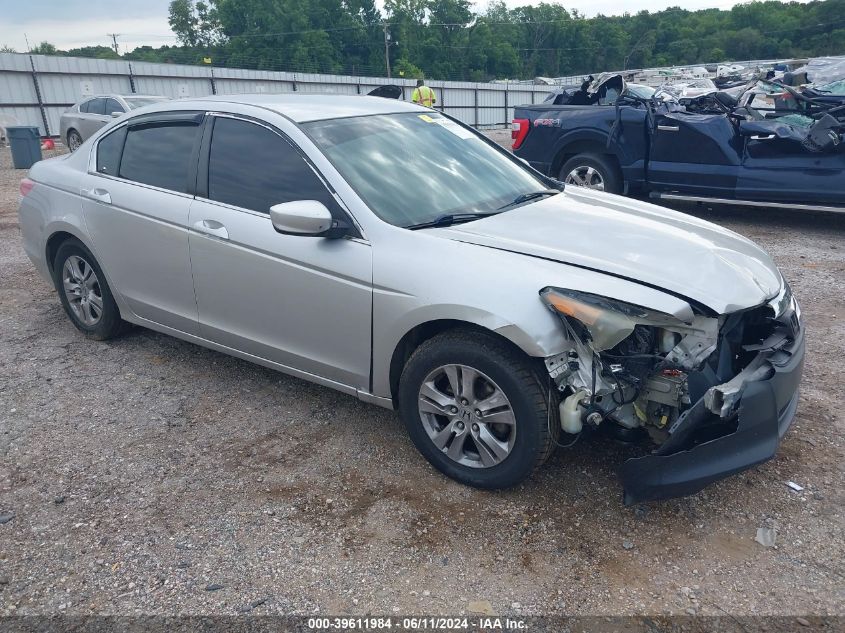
point(594, 171)
point(74, 140)
point(476, 409)
point(84, 292)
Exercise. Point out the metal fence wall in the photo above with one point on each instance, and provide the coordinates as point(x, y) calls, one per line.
point(36, 89)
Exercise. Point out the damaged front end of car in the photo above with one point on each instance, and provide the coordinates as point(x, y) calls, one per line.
point(714, 393)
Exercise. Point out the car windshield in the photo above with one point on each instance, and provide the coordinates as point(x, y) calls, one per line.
point(640, 91)
point(413, 168)
point(139, 102)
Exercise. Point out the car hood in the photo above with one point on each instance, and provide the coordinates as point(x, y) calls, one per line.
point(635, 240)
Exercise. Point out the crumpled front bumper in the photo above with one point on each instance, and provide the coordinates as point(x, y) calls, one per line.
point(765, 411)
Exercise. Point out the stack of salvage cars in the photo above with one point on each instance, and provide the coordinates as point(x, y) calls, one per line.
point(759, 142)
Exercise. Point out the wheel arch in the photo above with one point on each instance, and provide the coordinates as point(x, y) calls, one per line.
point(582, 146)
point(58, 237)
point(512, 336)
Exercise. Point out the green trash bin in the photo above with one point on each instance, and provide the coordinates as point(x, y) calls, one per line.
point(26, 145)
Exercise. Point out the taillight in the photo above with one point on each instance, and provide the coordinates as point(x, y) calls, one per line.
point(26, 186)
point(519, 130)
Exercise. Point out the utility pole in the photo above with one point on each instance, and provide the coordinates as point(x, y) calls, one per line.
point(114, 37)
point(387, 49)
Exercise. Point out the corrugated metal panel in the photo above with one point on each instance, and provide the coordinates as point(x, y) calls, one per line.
point(79, 65)
point(54, 115)
point(17, 88)
point(252, 75)
point(66, 79)
point(169, 70)
point(173, 86)
point(71, 88)
point(24, 116)
point(335, 88)
point(456, 97)
point(491, 98)
point(247, 86)
point(14, 61)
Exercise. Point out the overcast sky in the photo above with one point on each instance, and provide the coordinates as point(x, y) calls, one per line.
point(73, 23)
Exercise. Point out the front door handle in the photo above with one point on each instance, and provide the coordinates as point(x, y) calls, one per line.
point(213, 228)
point(668, 128)
point(98, 194)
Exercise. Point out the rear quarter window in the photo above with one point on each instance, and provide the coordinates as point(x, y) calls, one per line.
point(109, 150)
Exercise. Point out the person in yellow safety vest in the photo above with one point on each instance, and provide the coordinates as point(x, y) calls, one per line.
point(423, 95)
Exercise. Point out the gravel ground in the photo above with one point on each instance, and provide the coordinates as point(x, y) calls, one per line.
point(147, 475)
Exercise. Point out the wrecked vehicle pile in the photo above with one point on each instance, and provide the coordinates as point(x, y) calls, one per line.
point(764, 144)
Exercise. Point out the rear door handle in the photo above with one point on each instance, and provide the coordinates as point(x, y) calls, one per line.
point(668, 128)
point(213, 228)
point(98, 194)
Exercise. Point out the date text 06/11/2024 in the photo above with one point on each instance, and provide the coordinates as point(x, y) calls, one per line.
point(416, 624)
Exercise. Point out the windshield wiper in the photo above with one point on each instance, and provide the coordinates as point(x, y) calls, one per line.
point(525, 197)
point(449, 219)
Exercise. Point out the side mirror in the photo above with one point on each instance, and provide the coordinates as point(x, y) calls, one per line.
point(116, 114)
point(306, 218)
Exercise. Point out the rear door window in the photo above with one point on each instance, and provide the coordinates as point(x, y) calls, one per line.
point(96, 106)
point(83, 107)
point(159, 154)
point(113, 105)
point(252, 167)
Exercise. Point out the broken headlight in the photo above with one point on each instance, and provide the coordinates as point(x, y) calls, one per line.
point(784, 302)
point(602, 321)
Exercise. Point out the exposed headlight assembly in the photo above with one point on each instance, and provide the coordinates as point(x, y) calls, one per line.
point(784, 302)
point(602, 321)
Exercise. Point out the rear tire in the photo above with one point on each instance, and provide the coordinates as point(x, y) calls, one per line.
point(594, 171)
point(85, 293)
point(495, 431)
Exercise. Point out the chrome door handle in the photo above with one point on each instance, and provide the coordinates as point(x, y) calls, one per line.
point(213, 228)
point(98, 194)
point(762, 137)
point(667, 128)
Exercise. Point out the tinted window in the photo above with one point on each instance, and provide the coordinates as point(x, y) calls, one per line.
point(254, 168)
point(83, 107)
point(113, 105)
point(159, 154)
point(97, 106)
point(108, 152)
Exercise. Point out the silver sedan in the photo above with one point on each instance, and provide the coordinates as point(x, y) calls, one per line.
point(81, 120)
point(392, 253)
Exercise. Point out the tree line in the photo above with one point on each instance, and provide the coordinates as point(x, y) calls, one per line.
point(445, 39)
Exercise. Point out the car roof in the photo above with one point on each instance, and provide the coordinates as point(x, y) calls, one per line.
point(302, 108)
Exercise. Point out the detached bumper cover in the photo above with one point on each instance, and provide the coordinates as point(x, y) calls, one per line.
point(765, 411)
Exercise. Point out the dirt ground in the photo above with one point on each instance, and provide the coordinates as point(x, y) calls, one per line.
point(145, 475)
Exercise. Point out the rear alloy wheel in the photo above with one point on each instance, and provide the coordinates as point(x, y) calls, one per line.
point(593, 171)
point(84, 292)
point(476, 408)
point(74, 140)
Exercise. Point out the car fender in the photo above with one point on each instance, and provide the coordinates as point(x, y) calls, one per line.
point(503, 298)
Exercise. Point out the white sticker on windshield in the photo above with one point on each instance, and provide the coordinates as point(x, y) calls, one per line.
point(454, 128)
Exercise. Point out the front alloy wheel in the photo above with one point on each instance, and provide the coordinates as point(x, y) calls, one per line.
point(477, 408)
point(467, 416)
